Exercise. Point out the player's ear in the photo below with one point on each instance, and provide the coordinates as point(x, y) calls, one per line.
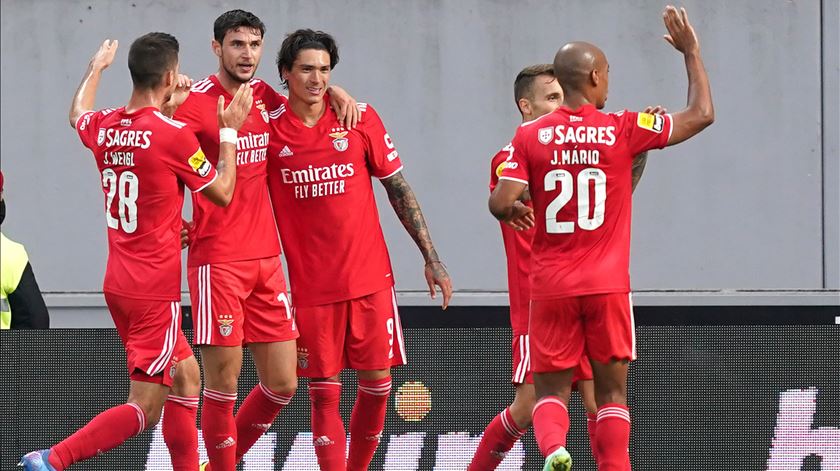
point(217, 48)
point(595, 77)
point(524, 106)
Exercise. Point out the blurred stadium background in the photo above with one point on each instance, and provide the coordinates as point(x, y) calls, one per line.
point(736, 234)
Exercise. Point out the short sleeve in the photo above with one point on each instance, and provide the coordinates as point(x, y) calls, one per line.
point(190, 114)
point(516, 165)
point(382, 155)
point(189, 163)
point(646, 131)
point(88, 127)
point(497, 164)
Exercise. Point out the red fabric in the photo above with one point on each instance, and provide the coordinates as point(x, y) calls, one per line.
point(255, 416)
point(328, 435)
point(144, 160)
point(499, 437)
point(578, 164)
point(562, 330)
point(320, 184)
point(551, 424)
point(219, 232)
point(219, 429)
point(518, 253)
point(107, 430)
point(180, 433)
point(367, 421)
point(363, 334)
point(612, 438)
point(151, 333)
point(237, 303)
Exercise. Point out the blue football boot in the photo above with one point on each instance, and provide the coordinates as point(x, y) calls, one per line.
point(36, 461)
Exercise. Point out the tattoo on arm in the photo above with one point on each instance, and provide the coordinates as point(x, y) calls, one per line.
point(408, 210)
point(639, 163)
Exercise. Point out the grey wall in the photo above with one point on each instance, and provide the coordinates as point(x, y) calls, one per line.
point(750, 204)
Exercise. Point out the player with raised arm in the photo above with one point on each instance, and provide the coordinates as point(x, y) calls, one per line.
point(237, 288)
point(537, 92)
point(319, 176)
point(576, 163)
point(144, 159)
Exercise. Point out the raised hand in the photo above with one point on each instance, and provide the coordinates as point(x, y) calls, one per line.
point(182, 91)
point(236, 113)
point(105, 55)
point(681, 34)
point(345, 107)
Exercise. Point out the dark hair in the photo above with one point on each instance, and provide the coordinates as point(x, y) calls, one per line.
point(523, 86)
point(305, 39)
point(150, 57)
point(230, 20)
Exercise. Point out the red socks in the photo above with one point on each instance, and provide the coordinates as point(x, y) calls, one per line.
point(179, 432)
point(612, 438)
point(328, 433)
point(499, 437)
point(106, 431)
point(551, 424)
point(219, 429)
point(367, 421)
point(256, 415)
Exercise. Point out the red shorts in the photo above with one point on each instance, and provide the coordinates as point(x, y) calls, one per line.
point(562, 330)
point(363, 333)
point(151, 333)
point(522, 364)
point(237, 303)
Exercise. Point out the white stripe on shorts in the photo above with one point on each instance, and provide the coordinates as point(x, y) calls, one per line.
point(632, 327)
point(398, 328)
point(165, 355)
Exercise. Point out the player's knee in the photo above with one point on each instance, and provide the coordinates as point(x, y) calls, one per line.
point(151, 411)
point(187, 380)
point(284, 386)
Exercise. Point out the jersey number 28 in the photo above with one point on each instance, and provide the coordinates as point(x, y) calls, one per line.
point(566, 180)
point(125, 189)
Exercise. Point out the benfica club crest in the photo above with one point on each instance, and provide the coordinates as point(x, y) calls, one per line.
point(303, 358)
point(225, 324)
point(545, 135)
point(263, 112)
point(340, 141)
point(100, 138)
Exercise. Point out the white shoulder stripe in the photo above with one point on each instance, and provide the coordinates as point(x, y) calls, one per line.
point(526, 123)
point(276, 113)
point(170, 121)
point(202, 86)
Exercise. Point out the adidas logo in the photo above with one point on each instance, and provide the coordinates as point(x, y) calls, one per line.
point(500, 455)
point(229, 442)
point(322, 441)
point(286, 152)
point(263, 427)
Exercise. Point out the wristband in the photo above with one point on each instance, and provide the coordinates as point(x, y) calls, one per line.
point(227, 135)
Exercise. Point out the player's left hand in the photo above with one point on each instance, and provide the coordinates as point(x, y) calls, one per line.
point(345, 107)
point(436, 275)
point(182, 91)
point(658, 109)
point(237, 111)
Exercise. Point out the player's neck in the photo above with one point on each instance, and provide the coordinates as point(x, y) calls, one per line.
point(575, 100)
point(143, 99)
point(308, 113)
point(230, 85)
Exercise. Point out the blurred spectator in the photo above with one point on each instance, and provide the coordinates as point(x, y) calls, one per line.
point(21, 304)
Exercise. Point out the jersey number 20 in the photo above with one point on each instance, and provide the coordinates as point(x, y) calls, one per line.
point(593, 175)
point(125, 189)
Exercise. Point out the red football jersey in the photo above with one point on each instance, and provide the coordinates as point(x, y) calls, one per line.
point(244, 230)
point(144, 159)
point(518, 253)
point(321, 190)
point(577, 165)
